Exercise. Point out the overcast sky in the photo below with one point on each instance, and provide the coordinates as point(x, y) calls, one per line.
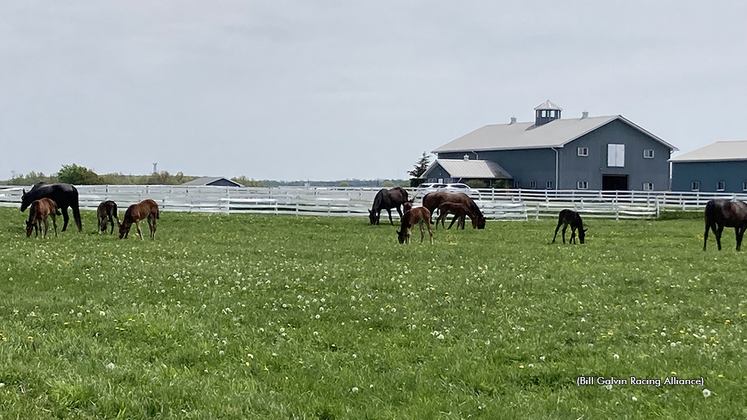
point(327, 90)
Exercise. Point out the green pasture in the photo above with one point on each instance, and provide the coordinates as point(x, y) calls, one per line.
point(265, 317)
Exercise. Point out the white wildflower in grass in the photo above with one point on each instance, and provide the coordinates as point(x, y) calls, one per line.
point(616, 356)
point(440, 337)
point(706, 393)
point(634, 398)
point(354, 389)
point(251, 356)
point(102, 313)
point(2, 384)
point(542, 358)
point(110, 365)
point(608, 386)
point(317, 316)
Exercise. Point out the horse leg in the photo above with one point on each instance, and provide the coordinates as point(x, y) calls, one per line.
point(152, 225)
point(65, 218)
point(454, 219)
point(422, 231)
point(137, 225)
point(390, 216)
point(739, 232)
point(573, 236)
point(563, 232)
point(718, 236)
point(76, 216)
point(462, 220)
point(54, 223)
point(556, 231)
point(705, 234)
point(430, 232)
point(399, 211)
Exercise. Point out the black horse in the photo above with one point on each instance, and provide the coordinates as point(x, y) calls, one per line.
point(570, 217)
point(386, 200)
point(64, 195)
point(725, 213)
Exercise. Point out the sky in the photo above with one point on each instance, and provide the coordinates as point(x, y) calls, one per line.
point(331, 90)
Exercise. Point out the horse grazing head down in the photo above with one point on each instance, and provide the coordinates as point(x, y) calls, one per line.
point(417, 215)
point(38, 213)
point(569, 217)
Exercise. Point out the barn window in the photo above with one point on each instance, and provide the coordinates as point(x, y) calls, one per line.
point(744, 185)
point(695, 186)
point(720, 186)
point(582, 185)
point(517, 183)
point(615, 155)
point(648, 186)
point(583, 151)
point(648, 154)
point(532, 184)
point(548, 185)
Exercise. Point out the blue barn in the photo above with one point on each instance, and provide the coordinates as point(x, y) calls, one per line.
point(718, 167)
point(598, 153)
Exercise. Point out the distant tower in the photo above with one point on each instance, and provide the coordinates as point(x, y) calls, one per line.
point(155, 167)
point(546, 112)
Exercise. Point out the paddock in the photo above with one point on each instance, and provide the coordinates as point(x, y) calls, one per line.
point(255, 315)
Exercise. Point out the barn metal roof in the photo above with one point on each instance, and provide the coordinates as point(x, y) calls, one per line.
point(720, 150)
point(547, 105)
point(208, 180)
point(527, 135)
point(461, 168)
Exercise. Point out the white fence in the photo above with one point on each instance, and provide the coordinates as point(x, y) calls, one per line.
point(495, 204)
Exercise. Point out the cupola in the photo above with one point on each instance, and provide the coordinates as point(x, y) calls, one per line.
point(546, 112)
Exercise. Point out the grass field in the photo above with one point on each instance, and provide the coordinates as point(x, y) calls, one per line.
point(248, 316)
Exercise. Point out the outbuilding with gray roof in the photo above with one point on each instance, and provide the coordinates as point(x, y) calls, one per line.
point(717, 167)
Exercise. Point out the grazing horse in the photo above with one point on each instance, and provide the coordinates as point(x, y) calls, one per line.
point(413, 216)
point(64, 195)
point(107, 211)
point(137, 212)
point(459, 210)
point(432, 200)
point(725, 213)
point(38, 213)
point(570, 217)
point(386, 200)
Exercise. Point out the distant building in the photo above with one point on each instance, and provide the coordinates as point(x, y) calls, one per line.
point(718, 167)
point(462, 170)
point(608, 153)
point(213, 181)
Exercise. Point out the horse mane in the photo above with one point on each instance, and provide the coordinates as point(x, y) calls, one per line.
point(38, 184)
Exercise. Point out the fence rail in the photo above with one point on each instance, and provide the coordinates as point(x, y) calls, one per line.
point(496, 204)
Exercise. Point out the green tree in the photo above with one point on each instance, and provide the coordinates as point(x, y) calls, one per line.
point(419, 170)
point(79, 175)
point(248, 182)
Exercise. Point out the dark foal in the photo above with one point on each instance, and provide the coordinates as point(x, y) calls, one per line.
point(572, 218)
point(107, 212)
point(460, 212)
point(38, 213)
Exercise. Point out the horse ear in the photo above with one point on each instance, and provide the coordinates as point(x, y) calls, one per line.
point(23, 190)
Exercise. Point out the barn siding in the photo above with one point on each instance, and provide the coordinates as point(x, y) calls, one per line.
point(708, 173)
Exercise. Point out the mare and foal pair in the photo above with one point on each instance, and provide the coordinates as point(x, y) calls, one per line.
point(43, 199)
